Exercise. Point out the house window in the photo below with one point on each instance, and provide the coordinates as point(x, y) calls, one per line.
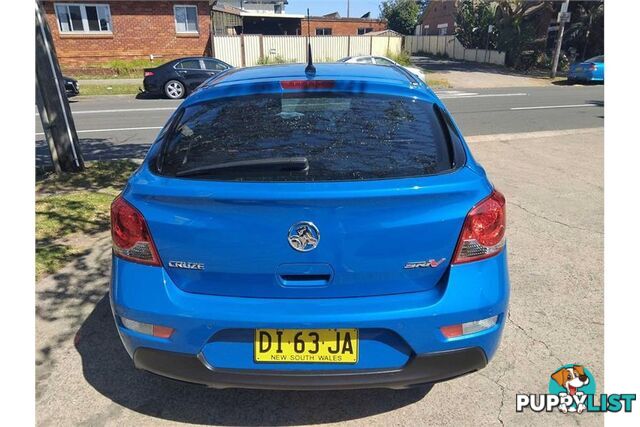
point(442, 29)
point(362, 31)
point(83, 18)
point(323, 31)
point(186, 19)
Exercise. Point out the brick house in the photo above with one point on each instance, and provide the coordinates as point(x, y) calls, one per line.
point(334, 25)
point(439, 18)
point(92, 32)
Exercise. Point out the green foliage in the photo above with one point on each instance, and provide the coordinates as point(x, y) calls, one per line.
point(130, 67)
point(401, 58)
point(401, 15)
point(585, 33)
point(268, 60)
point(472, 24)
point(516, 29)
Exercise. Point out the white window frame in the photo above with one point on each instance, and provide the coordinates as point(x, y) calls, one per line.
point(175, 18)
point(85, 21)
point(442, 27)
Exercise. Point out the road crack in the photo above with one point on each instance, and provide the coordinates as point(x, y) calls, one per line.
point(553, 221)
point(524, 331)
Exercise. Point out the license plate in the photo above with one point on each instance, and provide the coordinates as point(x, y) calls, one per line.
point(306, 345)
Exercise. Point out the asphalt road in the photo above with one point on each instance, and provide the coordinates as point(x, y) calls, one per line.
point(122, 126)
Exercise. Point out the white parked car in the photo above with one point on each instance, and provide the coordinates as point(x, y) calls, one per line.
point(382, 61)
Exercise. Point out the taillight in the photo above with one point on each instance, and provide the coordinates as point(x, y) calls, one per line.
point(593, 67)
point(483, 232)
point(148, 73)
point(130, 234)
point(307, 84)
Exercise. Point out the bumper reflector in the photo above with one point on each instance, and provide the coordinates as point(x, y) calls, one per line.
point(453, 331)
point(147, 328)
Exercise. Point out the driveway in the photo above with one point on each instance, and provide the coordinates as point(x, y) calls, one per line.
point(468, 75)
point(554, 189)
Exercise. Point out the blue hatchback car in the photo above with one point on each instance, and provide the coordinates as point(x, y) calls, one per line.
point(591, 70)
point(296, 231)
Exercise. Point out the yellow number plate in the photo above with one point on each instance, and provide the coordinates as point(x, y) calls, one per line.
point(306, 345)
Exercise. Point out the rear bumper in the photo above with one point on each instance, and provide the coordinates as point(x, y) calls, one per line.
point(400, 339)
point(422, 369)
point(152, 86)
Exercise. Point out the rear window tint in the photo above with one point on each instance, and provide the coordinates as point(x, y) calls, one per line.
point(343, 137)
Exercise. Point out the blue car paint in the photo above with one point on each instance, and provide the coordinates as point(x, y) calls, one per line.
point(581, 71)
point(394, 326)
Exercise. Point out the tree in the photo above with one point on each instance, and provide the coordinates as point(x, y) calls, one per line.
point(516, 27)
point(585, 33)
point(472, 24)
point(401, 15)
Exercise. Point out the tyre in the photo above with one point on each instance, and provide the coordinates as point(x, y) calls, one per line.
point(174, 89)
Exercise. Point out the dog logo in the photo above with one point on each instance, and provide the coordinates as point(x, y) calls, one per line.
point(303, 236)
point(572, 389)
point(574, 381)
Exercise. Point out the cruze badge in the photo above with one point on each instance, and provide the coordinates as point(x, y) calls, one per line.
point(432, 263)
point(303, 236)
point(186, 265)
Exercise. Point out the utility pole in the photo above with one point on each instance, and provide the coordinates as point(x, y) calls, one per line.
point(347, 8)
point(563, 17)
point(53, 106)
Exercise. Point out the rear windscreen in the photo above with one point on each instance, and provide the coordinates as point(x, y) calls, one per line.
point(306, 137)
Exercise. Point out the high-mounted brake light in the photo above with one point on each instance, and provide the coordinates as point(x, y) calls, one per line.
point(483, 232)
point(307, 84)
point(130, 234)
point(149, 73)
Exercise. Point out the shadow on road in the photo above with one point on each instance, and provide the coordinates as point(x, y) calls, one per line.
point(435, 65)
point(95, 149)
point(108, 368)
point(575, 83)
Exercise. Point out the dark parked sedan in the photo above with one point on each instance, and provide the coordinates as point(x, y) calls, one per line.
point(71, 86)
point(177, 78)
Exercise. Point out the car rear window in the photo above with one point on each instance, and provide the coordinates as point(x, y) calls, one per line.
point(339, 136)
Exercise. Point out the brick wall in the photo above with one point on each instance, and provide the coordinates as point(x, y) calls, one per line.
point(342, 26)
point(440, 12)
point(140, 29)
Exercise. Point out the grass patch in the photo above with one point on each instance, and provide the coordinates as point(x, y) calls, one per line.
point(133, 66)
point(110, 89)
point(437, 83)
point(72, 208)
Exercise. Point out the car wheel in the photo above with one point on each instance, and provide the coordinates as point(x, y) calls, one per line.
point(174, 89)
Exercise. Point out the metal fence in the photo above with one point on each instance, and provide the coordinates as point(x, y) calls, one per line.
point(247, 50)
point(449, 45)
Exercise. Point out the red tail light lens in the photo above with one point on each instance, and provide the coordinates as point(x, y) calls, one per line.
point(307, 84)
point(593, 67)
point(483, 232)
point(148, 73)
point(130, 234)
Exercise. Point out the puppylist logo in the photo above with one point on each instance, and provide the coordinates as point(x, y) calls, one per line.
point(572, 389)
